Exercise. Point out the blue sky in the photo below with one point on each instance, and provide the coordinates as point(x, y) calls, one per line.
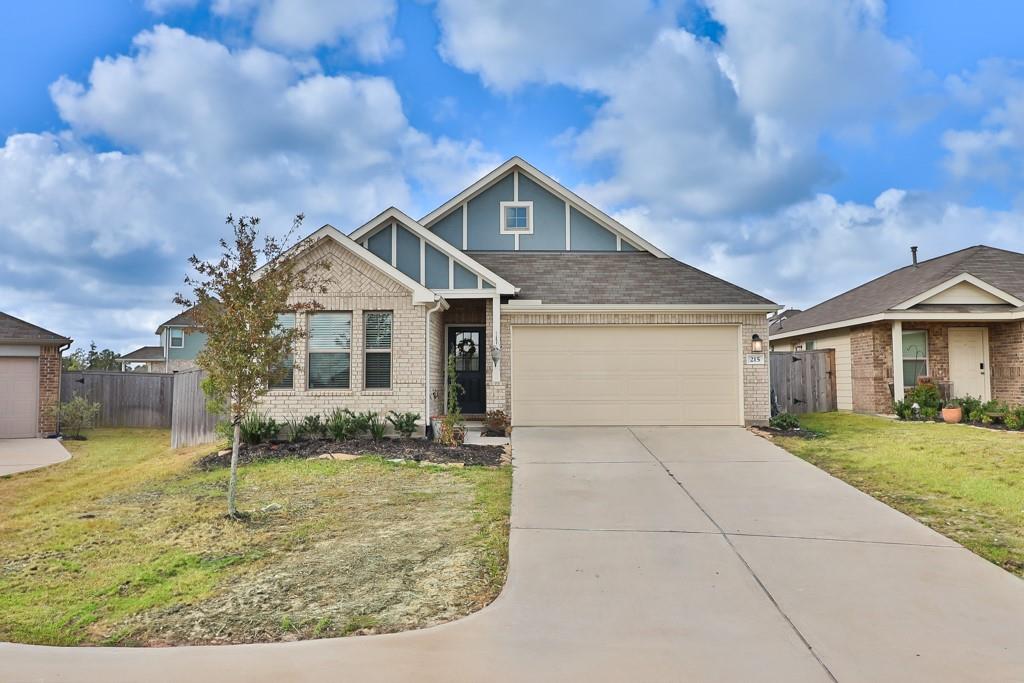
point(794, 148)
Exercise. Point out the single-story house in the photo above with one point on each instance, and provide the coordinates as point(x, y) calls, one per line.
point(180, 343)
point(30, 378)
point(554, 311)
point(957, 319)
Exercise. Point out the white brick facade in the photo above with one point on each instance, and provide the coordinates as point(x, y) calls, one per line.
point(355, 286)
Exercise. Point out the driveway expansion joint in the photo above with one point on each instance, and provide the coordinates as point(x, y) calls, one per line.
point(750, 570)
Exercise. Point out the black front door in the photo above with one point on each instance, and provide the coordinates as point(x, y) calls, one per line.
point(466, 343)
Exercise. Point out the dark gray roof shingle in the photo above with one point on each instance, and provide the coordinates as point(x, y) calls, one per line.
point(998, 267)
point(612, 278)
point(17, 331)
point(144, 353)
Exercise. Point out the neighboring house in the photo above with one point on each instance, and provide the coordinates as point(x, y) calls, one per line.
point(777, 322)
point(958, 319)
point(180, 343)
point(29, 377)
point(555, 312)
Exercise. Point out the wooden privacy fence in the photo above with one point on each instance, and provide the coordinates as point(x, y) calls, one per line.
point(803, 381)
point(191, 422)
point(128, 399)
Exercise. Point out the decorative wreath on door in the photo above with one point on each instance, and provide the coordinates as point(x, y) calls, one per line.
point(466, 347)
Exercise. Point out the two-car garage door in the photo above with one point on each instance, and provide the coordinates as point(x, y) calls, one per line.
point(19, 397)
point(626, 375)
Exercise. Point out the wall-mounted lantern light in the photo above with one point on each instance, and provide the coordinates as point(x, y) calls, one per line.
point(495, 355)
point(756, 345)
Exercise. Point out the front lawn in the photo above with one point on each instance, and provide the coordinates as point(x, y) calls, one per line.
point(964, 482)
point(127, 543)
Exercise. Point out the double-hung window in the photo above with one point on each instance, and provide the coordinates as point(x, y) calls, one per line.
point(330, 350)
point(284, 376)
point(377, 330)
point(915, 356)
point(177, 338)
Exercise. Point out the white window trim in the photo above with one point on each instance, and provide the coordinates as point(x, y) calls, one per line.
point(367, 351)
point(170, 337)
point(903, 358)
point(528, 230)
point(348, 351)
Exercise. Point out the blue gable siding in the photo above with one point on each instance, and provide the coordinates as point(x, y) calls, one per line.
point(587, 235)
point(626, 246)
point(194, 343)
point(464, 279)
point(437, 268)
point(449, 228)
point(484, 218)
point(380, 244)
point(548, 218)
point(408, 256)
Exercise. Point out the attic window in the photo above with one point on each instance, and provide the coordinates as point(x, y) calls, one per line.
point(516, 218)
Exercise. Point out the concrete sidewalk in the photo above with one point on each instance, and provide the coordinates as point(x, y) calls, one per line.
point(22, 455)
point(701, 554)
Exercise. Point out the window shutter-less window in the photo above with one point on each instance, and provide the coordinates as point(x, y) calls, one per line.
point(286, 378)
point(330, 343)
point(377, 332)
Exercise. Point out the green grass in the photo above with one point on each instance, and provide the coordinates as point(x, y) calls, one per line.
point(128, 543)
point(964, 482)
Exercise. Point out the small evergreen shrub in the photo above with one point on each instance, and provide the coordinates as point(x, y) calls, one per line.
point(257, 428)
point(376, 425)
point(340, 424)
point(404, 423)
point(313, 426)
point(77, 414)
point(784, 422)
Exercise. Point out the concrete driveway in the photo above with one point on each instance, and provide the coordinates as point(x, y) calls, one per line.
point(662, 554)
point(22, 455)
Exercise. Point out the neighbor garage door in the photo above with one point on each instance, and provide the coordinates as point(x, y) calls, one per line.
point(19, 397)
point(625, 375)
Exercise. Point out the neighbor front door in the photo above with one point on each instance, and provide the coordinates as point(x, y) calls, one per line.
point(466, 343)
point(968, 362)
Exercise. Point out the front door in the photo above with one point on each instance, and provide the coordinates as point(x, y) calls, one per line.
point(968, 362)
point(466, 343)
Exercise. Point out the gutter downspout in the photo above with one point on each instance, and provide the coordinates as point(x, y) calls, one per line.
point(426, 364)
point(60, 363)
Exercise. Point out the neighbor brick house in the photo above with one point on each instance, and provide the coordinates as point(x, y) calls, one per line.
point(957, 319)
point(29, 378)
point(555, 313)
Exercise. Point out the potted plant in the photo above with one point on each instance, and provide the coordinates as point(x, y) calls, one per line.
point(952, 411)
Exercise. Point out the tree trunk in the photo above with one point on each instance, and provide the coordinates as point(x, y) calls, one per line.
point(233, 480)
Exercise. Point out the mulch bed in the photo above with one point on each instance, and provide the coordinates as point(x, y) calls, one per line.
point(418, 450)
point(771, 433)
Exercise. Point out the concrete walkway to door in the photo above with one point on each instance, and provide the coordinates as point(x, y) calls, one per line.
point(662, 554)
point(22, 455)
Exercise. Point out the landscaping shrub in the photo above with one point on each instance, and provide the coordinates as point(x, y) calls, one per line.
point(453, 433)
point(313, 426)
point(1014, 418)
point(496, 423)
point(784, 422)
point(361, 422)
point(929, 412)
point(77, 414)
point(404, 423)
point(925, 396)
point(904, 410)
point(376, 425)
point(341, 424)
point(257, 428)
point(971, 407)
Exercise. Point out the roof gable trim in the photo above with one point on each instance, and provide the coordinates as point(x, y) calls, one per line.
point(953, 282)
point(580, 204)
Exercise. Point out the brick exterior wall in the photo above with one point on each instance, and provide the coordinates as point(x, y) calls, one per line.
point(49, 388)
point(756, 407)
point(355, 286)
point(871, 358)
point(1006, 354)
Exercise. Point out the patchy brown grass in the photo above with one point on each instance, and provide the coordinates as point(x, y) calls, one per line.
point(128, 544)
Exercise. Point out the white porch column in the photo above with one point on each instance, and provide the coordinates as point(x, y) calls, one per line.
point(496, 335)
point(897, 360)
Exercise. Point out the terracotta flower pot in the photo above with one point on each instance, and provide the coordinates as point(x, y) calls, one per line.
point(952, 415)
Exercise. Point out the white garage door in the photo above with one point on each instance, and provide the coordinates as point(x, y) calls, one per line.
point(625, 375)
point(19, 397)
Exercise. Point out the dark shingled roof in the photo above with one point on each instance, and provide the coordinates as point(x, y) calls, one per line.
point(998, 267)
point(144, 353)
point(611, 278)
point(16, 331)
point(182, 319)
